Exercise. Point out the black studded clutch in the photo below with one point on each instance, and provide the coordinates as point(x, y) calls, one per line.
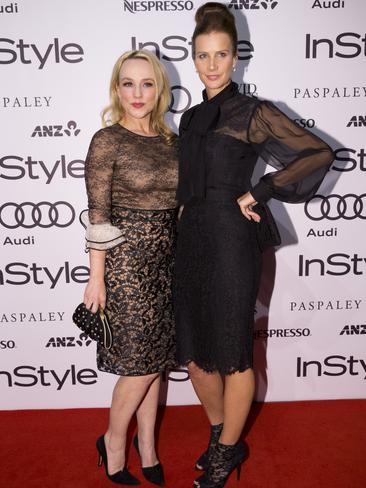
point(94, 325)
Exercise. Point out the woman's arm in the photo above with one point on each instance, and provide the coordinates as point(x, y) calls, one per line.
point(301, 158)
point(95, 292)
point(98, 177)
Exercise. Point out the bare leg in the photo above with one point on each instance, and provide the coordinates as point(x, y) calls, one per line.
point(127, 396)
point(210, 391)
point(238, 397)
point(146, 417)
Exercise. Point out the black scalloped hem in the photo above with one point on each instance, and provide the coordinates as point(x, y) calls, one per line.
point(224, 370)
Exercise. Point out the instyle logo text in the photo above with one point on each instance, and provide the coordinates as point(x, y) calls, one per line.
point(21, 51)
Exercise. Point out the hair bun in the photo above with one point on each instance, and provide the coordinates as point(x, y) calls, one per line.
point(213, 8)
point(215, 17)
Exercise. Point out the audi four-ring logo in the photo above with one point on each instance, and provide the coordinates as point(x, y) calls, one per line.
point(43, 214)
point(335, 207)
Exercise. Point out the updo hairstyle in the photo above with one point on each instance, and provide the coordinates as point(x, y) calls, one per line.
point(215, 17)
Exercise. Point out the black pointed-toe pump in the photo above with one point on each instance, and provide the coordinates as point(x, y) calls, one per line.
point(153, 474)
point(122, 477)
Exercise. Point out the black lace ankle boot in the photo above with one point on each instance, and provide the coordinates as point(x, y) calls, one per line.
point(222, 462)
point(202, 461)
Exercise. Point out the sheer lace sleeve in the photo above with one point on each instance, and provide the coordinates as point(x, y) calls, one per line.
point(98, 176)
point(301, 158)
point(100, 233)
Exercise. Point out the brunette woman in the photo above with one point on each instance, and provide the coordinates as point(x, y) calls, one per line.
point(218, 262)
point(131, 179)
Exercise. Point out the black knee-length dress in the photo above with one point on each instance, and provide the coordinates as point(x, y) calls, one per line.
point(218, 261)
point(131, 184)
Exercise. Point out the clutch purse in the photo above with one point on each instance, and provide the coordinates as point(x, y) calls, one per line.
point(94, 325)
point(267, 230)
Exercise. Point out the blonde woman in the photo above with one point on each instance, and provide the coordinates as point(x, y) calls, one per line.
point(131, 179)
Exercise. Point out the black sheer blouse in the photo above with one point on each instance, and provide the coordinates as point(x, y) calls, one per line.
point(222, 138)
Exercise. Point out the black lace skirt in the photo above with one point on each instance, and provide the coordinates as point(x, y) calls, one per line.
point(217, 273)
point(138, 275)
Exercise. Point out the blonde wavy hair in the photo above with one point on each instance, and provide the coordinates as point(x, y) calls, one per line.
point(114, 112)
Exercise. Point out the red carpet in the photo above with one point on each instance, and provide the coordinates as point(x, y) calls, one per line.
point(292, 445)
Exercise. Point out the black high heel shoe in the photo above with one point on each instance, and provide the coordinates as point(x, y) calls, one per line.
point(122, 477)
point(154, 474)
point(202, 461)
point(223, 460)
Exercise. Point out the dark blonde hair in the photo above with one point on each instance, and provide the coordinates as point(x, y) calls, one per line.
point(114, 112)
point(215, 17)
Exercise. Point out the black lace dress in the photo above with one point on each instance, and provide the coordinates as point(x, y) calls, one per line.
point(218, 261)
point(131, 182)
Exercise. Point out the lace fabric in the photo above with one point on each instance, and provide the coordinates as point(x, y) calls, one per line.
point(217, 272)
point(218, 260)
point(124, 169)
point(138, 276)
point(232, 131)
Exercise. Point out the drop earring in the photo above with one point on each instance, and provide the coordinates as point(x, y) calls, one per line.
point(234, 68)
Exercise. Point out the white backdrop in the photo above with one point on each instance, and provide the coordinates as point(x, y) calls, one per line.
point(55, 60)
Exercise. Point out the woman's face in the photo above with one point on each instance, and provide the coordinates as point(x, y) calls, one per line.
point(214, 61)
point(136, 88)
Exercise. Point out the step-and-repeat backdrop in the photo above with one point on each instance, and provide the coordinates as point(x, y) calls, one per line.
point(55, 63)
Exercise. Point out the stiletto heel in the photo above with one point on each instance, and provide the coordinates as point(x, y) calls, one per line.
point(223, 461)
point(202, 461)
point(238, 472)
point(122, 477)
point(153, 474)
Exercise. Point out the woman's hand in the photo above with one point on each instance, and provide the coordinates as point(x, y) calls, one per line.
point(95, 294)
point(246, 202)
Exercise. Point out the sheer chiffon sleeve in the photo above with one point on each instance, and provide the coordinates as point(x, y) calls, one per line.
point(301, 158)
point(100, 233)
